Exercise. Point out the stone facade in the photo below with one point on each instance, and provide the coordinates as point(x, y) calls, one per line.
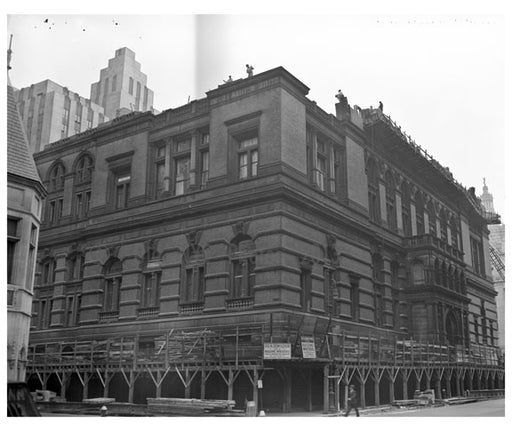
point(254, 206)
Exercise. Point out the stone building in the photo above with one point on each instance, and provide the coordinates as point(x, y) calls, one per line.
point(50, 112)
point(122, 87)
point(25, 195)
point(251, 237)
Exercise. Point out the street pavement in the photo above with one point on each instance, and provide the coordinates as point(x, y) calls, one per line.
point(487, 408)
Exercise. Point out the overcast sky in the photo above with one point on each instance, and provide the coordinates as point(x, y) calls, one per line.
point(440, 77)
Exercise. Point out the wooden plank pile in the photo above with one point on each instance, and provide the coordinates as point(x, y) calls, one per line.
point(192, 407)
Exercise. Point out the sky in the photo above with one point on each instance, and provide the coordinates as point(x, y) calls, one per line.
point(441, 77)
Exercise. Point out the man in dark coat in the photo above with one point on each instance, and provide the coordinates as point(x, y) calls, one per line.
point(352, 400)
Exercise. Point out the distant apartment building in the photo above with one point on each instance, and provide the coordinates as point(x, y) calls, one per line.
point(50, 112)
point(122, 87)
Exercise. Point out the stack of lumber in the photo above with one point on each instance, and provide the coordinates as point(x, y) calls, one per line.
point(190, 406)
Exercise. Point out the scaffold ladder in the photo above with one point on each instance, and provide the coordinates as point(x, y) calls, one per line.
point(496, 261)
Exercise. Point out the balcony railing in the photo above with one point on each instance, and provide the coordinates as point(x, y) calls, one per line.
point(239, 303)
point(107, 316)
point(146, 312)
point(427, 240)
point(192, 307)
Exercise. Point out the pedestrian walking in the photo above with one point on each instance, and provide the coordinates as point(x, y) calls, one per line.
point(352, 401)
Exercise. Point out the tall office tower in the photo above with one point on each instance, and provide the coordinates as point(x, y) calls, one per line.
point(50, 112)
point(122, 87)
point(497, 253)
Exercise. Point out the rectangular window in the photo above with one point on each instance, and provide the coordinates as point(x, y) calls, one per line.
point(114, 83)
point(78, 205)
point(320, 173)
point(242, 166)
point(305, 286)
point(31, 257)
point(70, 302)
point(58, 210)
point(122, 190)
point(112, 294)
point(205, 167)
point(243, 277)
point(130, 86)
point(182, 175)
point(12, 241)
point(332, 170)
point(194, 284)
point(160, 174)
point(90, 118)
point(248, 158)
point(205, 139)
point(151, 293)
point(87, 202)
point(137, 97)
point(160, 169)
point(354, 298)
point(10, 297)
point(42, 314)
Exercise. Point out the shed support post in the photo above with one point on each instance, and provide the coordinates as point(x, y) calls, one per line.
point(326, 389)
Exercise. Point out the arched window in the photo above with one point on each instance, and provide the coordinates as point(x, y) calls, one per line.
point(82, 186)
point(406, 208)
point(83, 169)
point(373, 191)
point(431, 219)
point(56, 178)
point(112, 284)
point(150, 286)
point(420, 213)
point(243, 264)
point(443, 223)
point(390, 200)
point(75, 266)
point(452, 333)
point(192, 276)
point(48, 270)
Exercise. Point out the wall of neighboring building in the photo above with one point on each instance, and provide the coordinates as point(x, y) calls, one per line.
point(23, 207)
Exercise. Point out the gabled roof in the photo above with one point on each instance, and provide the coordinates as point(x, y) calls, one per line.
point(19, 160)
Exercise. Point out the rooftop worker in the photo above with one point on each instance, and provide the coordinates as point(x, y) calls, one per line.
point(340, 95)
point(381, 106)
point(249, 70)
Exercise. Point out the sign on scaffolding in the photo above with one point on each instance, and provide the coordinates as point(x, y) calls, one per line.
point(308, 347)
point(277, 351)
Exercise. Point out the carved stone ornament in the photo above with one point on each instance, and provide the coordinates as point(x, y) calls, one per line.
point(241, 228)
point(113, 251)
point(151, 248)
point(193, 238)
